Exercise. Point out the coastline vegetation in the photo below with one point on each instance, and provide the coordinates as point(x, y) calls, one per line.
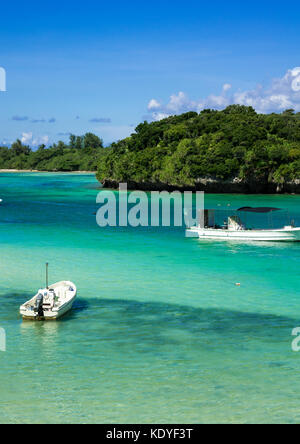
point(82, 153)
point(234, 143)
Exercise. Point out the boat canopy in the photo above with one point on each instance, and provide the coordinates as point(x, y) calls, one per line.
point(258, 209)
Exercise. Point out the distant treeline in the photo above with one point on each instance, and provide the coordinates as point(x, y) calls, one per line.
point(233, 143)
point(82, 153)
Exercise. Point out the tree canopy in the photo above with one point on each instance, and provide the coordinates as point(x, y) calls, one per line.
point(81, 153)
point(235, 142)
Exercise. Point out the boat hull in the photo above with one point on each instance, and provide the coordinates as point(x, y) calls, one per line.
point(282, 235)
point(48, 316)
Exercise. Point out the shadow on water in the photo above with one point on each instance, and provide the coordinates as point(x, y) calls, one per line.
point(162, 316)
point(131, 323)
point(80, 304)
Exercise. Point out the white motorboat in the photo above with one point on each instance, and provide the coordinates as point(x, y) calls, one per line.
point(51, 302)
point(234, 228)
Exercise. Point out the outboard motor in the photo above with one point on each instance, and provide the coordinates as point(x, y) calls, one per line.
point(39, 305)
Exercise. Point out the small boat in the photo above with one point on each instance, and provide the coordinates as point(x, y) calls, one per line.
point(51, 302)
point(233, 228)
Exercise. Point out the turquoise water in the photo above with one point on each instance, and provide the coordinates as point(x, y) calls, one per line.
point(160, 332)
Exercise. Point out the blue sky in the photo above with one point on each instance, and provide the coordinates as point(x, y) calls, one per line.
point(105, 66)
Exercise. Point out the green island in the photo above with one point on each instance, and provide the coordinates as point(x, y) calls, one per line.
point(233, 150)
point(82, 153)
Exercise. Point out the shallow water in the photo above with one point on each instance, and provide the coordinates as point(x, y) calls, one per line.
point(160, 332)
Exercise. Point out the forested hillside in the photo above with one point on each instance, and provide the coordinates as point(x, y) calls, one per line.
point(235, 144)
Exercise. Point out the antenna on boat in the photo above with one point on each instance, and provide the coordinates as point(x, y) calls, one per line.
point(47, 275)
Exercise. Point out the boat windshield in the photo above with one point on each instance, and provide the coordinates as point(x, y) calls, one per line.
point(244, 218)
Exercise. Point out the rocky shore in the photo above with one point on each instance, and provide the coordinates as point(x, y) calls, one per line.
point(210, 185)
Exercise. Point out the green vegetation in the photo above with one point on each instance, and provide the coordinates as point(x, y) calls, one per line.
point(235, 142)
point(81, 154)
point(178, 151)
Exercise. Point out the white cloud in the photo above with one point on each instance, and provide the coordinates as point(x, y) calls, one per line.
point(160, 116)
point(227, 87)
point(27, 138)
point(181, 103)
point(40, 140)
point(282, 93)
point(153, 104)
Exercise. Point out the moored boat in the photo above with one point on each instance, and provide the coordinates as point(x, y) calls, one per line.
point(233, 227)
point(50, 303)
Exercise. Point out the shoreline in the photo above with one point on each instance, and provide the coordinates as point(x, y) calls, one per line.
point(204, 184)
point(38, 171)
point(211, 186)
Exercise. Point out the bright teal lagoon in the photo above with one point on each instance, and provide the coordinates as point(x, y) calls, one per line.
point(160, 333)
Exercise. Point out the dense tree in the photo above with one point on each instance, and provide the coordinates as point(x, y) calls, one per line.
point(235, 142)
point(18, 148)
point(92, 142)
point(82, 153)
point(72, 141)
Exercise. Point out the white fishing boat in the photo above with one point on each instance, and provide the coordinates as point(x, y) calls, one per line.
point(51, 302)
point(234, 226)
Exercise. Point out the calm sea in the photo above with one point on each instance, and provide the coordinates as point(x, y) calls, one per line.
point(160, 333)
